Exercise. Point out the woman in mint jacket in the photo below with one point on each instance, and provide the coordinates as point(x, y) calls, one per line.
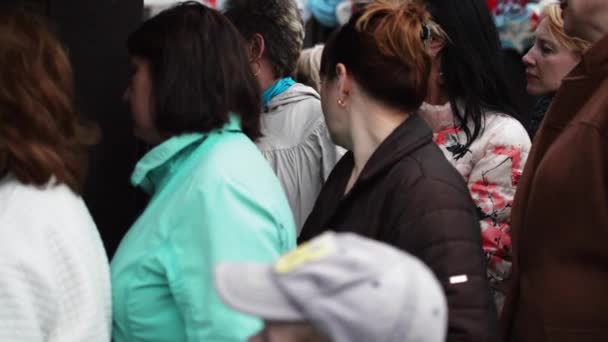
point(213, 195)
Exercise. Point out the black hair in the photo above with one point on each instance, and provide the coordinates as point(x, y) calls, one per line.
point(472, 63)
point(200, 70)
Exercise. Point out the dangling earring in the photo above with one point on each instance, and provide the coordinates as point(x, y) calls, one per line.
point(341, 102)
point(257, 72)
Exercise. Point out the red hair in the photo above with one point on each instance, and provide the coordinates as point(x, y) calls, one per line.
point(41, 135)
point(384, 48)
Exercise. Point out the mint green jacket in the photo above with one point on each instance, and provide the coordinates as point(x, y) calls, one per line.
point(214, 198)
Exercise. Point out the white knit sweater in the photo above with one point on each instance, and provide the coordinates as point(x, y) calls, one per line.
point(54, 274)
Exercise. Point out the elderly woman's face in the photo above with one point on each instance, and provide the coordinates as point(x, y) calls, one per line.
point(547, 62)
point(139, 97)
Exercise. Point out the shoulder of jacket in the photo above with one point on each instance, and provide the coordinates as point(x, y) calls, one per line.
point(297, 94)
point(42, 217)
point(503, 130)
point(425, 188)
point(597, 109)
point(302, 126)
point(52, 199)
point(309, 103)
point(414, 171)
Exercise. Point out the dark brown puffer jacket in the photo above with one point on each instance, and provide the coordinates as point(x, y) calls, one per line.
point(409, 196)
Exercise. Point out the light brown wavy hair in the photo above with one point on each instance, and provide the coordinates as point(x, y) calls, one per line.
point(41, 134)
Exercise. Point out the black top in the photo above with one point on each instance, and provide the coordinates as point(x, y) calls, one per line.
point(409, 196)
point(538, 113)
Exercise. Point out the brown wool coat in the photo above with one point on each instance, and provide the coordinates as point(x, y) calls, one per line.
point(559, 286)
point(411, 197)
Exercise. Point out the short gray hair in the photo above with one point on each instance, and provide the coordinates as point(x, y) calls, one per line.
point(278, 21)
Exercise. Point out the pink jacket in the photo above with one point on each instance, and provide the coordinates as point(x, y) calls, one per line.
point(491, 167)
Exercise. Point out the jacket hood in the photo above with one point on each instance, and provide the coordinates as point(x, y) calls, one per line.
point(296, 93)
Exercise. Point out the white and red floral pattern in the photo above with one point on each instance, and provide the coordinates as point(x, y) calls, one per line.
point(491, 166)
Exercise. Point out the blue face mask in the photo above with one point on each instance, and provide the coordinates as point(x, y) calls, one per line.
point(324, 11)
point(277, 89)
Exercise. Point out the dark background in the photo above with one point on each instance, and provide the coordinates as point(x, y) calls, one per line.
point(94, 33)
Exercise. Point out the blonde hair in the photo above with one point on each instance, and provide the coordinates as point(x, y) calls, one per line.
point(309, 64)
point(553, 14)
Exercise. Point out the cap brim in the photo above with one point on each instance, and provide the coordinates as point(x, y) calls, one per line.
point(251, 289)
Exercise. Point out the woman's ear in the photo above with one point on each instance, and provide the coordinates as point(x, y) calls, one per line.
point(256, 47)
point(343, 81)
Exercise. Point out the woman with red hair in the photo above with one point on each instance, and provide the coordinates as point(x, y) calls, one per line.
point(54, 275)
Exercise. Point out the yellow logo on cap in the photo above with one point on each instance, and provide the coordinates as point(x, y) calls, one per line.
point(305, 253)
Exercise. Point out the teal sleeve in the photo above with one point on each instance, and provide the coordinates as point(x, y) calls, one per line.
point(228, 223)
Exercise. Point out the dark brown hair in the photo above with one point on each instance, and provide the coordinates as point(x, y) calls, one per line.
point(200, 71)
point(383, 48)
point(41, 135)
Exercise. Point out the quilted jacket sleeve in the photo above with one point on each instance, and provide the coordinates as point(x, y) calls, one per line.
point(441, 227)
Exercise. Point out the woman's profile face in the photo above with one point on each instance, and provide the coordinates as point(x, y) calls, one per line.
point(547, 62)
point(139, 96)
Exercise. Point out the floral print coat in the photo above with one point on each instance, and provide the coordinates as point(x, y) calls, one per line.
point(491, 166)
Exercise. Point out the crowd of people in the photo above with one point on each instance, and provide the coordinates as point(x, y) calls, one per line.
point(383, 186)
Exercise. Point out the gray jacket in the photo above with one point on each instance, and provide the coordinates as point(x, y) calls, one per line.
point(298, 146)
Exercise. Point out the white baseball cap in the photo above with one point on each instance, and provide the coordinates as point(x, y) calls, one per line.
point(349, 287)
